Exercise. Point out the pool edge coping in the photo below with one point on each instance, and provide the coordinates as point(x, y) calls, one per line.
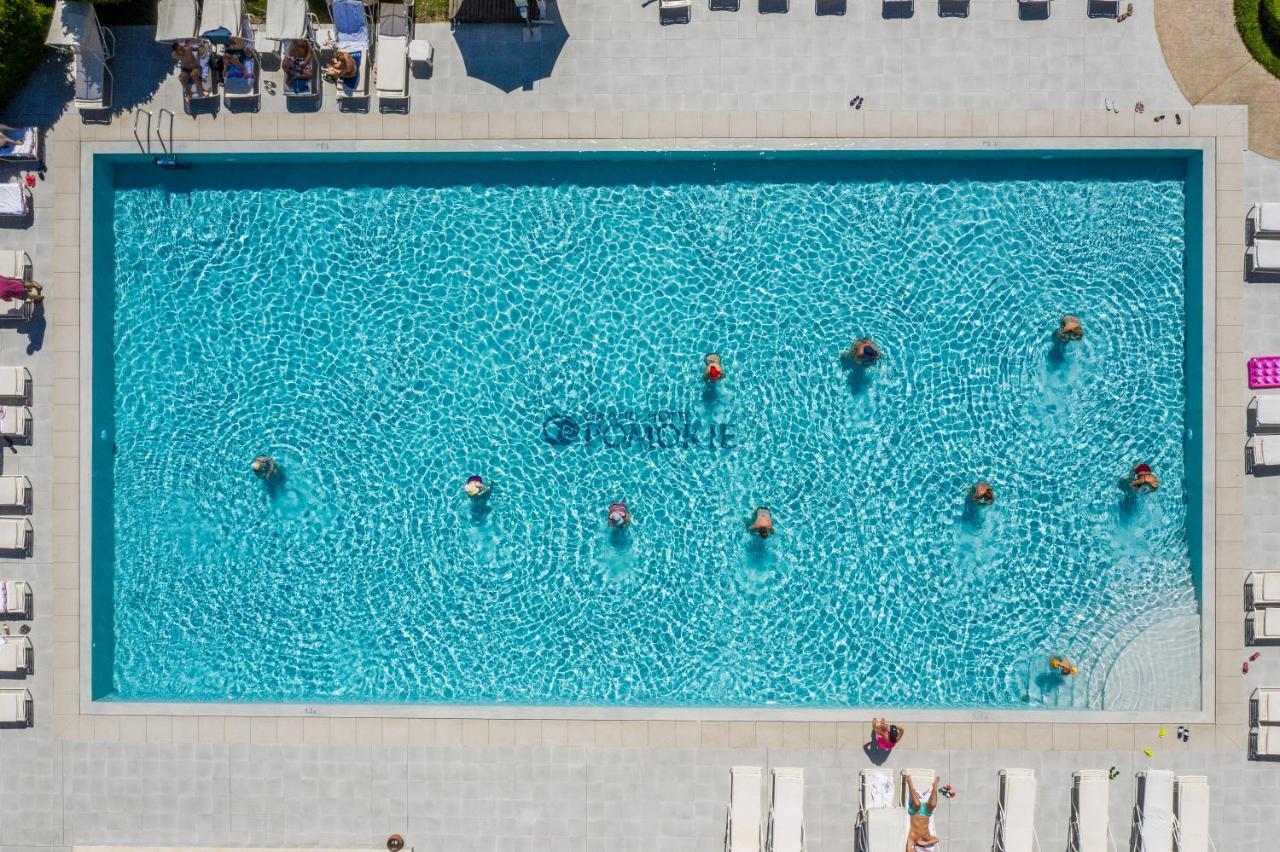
point(1206, 144)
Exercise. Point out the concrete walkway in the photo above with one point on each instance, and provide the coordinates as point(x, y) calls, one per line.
point(1212, 66)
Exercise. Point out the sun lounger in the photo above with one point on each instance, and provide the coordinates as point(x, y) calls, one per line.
point(15, 708)
point(1265, 411)
point(15, 383)
point(15, 492)
point(673, 11)
point(1265, 217)
point(241, 86)
point(1262, 624)
point(1262, 588)
point(1264, 706)
point(742, 822)
point(15, 535)
point(786, 810)
point(16, 656)
point(289, 21)
point(1263, 452)
point(15, 598)
point(391, 60)
point(1264, 743)
point(15, 198)
point(1154, 811)
point(1264, 256)
point(1191, 813)
point(21, 146)
point(15, 421)
point(1090, 812)
point(920, 780)
point(15, 264)
point(882, 827)
point(1016, 811)
point(75, 29)
point(351, 36)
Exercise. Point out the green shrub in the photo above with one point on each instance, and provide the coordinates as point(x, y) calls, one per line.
point(23, 27)
point(1257, 20)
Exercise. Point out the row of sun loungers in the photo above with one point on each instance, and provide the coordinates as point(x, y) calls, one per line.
point(1170, 812)
point(680, 11)
point(1262, 605)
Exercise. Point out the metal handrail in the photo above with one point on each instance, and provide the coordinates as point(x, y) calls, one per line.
point(143, 149)
point(168, 149)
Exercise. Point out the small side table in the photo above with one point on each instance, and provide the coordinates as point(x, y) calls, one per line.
point(421, 52)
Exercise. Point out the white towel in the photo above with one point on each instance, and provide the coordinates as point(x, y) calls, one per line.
point(13, 199)
point(880, 791)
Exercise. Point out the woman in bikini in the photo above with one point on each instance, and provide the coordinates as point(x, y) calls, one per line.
point(920, 812)
point(299, 66)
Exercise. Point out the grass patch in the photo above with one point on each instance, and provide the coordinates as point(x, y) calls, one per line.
point(1259, 28)
point(433, 11)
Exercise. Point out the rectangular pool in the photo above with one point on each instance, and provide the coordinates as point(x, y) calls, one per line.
point(385, 327)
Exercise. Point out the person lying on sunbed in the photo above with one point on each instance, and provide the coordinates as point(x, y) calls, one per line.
point(920, 812)
point(299, 66)
point(345, 68)
point(191, 70)
point(238, 59)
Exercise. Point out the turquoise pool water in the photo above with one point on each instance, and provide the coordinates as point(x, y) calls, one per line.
point(385, 329)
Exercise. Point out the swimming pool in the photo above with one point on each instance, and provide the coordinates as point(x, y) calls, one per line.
point(385, 329)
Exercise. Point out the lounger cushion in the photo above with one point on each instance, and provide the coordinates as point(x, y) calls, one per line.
point(1266, 587)
point(1092, 815)
point(1268, 219)
point(13, 382)
point(1266, 255)
point(90, 79)
point(1268, 741)
point(744, 809)
point(13, 420)
point(13, 533)
point(787, 817)
point(1266, 450)
point(393, 63)
point(13, 491)
point(20, 145)
point(13, 199)
point(1156, 807)
point(13, 654)
point(13, 705)
point(1266, 623)
point(13, 264)
point(1268, 409)
point(1018, 792)
point(887, 829)
point(1268, 706)
point(13, 596)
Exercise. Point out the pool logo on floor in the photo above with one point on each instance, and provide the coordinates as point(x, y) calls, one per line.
point(615, 430)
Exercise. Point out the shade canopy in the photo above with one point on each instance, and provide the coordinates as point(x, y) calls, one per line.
point(286, 19)
point(220, 18)
point(74, 25)
point(176, 19)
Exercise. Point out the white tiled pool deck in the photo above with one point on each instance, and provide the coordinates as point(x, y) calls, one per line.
point(82, 777)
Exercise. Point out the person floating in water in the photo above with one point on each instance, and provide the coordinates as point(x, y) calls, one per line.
point(265, 467)
point(982, 494)
point(1064, 667)
point(863, 352)
point(619, 517)
point(1069, 329)
point(475, 487)
point(1143, 480)
point(761, 522)
point(714, 371)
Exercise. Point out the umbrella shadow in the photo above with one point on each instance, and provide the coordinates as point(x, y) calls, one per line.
point(513, 56)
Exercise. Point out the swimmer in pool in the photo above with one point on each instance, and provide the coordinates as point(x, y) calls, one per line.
point(863, 352)
point(619, 517)
point(1143, 480)
point(982, 494)
point(714, 371)
point(475, 487)
point(265, 467)
point(761, 522)
point(1069, 329)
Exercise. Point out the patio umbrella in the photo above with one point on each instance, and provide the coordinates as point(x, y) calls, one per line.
point(176, 20)
point(513, 56)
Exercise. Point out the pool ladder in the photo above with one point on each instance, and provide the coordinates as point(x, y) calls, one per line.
point(166, 159)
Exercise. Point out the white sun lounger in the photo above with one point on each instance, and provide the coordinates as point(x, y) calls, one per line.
point(21, 147)
point(786, 810)
point(15, 598)
point(1090, 814)
point(1266, 219)
point(742, 822)
point(75, 29)
point(1264, 255)
point(1264, 706)
point(15, 535)
point(675, 10)
point(15, 421)
point(1262, 588)
point(1154, 810)
point(1263, 452)
point(15, 492)
point(1264, 743)
point(1016, 811)
point(1266, 411)
point(391, 60)
point(15, 264)
point(920, 780)
point(1263, 624)
point(1191, 813)
point(16, 656)
point(237, 89)
point(882, 827)
point(15, 707)
point(289, 21)
point(351, 35)
point(15, 383)
point(15, 198)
